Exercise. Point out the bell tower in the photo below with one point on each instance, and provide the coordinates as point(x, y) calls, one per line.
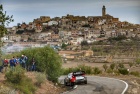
point(103, 11)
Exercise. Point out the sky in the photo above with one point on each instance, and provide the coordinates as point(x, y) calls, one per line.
point(27, 10)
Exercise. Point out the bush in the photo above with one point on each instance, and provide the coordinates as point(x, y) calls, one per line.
point(131, 64)
point(47, 60)
point(5, 90)
point(105, 67)
point(26, 86)
point(123, 71)
point(15, 76)
point(87, 69)
point(40, 77)
point(67, 70)
point(121, 65)
point(135, 73)
point(96, 70)
point(109, 70)
point(19, 81)
point(84, 43)
point(138, 61)
point(112, 66)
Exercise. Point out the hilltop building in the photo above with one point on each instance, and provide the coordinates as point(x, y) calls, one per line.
point(103, 11)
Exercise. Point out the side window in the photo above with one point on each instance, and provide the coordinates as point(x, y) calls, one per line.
point(69, 75)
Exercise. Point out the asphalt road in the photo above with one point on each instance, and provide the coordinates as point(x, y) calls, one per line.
point(98, 85)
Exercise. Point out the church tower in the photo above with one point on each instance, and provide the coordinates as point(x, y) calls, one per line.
point(103, 11)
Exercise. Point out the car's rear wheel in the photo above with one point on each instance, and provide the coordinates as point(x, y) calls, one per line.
point(65, 83)
point(72, 83)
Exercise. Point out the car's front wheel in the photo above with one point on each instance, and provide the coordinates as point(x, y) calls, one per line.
point(85, 81)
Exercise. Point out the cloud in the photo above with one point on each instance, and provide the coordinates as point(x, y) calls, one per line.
point(23, 9)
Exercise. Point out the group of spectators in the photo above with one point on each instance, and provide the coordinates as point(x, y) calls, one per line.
point(22, 61)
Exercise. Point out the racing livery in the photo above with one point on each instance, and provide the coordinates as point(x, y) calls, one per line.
point(75, 78)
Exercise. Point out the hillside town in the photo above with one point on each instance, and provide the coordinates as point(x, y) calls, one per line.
point(90, 45)
point(68, 29)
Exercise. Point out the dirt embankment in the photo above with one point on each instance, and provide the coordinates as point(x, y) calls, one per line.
point(46, 88)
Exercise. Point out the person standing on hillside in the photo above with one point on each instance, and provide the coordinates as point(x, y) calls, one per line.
point(15, 61)
point(23, 61)
point(18, 60)
point(12, 64)
point(5, 64)
point(33, 64)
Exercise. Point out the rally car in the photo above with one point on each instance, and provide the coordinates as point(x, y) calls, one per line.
point(75, 78)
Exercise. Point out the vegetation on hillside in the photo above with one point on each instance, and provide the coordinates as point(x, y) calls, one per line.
point(115, 69)
point(17, 80)
point(47, 61)
point(48, 64)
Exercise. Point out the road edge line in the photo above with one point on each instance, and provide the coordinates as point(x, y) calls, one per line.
point(126, 86)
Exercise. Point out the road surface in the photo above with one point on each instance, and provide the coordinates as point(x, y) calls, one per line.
point(98, 85)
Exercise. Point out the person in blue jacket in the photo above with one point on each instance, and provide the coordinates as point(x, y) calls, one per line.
point(12, 65)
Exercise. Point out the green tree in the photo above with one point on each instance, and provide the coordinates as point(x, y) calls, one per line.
point(64, 46)
point(4, 20)
point(47, 60)
point(84, 43)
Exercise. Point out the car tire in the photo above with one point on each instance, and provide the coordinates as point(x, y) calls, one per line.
point(65, 83)
point(85, 82)
point(72, 83)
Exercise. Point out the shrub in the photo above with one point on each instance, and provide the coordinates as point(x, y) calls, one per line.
point(15, 76)
point(116, 72)
point(135, 73)
point(40, 77)
point(105, 67)
point(96, 70)
point(19, 81)
point(67, 70)
point(130, 64)
point(109, 70)
point(87, 69)
point(121, 65)
point(138, 61)
point(112, 66)
point(123, 71)
point(26, 86)
point(47, 60)
point(5, 90)
point(84, 43)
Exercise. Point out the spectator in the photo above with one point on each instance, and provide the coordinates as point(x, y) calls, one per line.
point(12, 64)
point(15, 61)
point(5, 64)
point(18, 60)
point(33, 64)
point(23, 61)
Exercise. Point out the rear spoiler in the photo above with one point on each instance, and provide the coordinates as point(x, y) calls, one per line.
point(79, 73)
